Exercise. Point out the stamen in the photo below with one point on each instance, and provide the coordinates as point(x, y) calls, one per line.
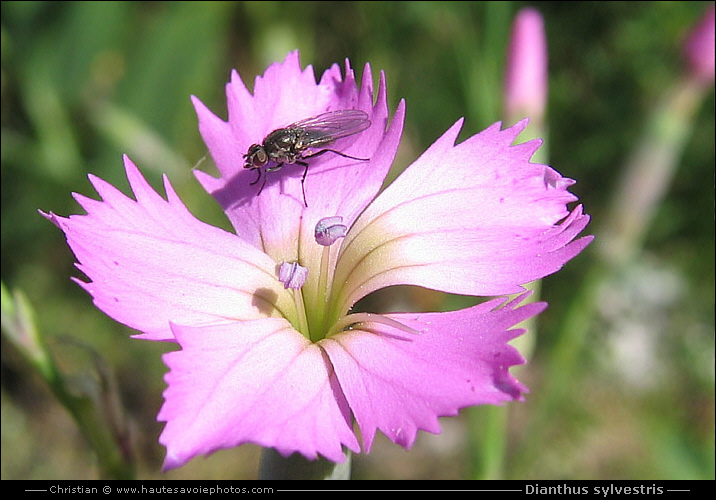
point(301, 309)
point(329, 229)
point(292, 275)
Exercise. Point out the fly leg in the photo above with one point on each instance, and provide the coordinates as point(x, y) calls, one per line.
point(277, 167)
point(313, 155)
point(258, 171)
point(303, 180)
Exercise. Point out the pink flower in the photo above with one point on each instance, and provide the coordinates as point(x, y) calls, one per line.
point(272, 355)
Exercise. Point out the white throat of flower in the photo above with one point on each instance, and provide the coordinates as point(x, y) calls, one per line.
point(328, 231)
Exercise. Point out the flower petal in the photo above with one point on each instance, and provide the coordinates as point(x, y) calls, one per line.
point(475, 218)
point(399, 383)
point(257, 382)
point(335, 186)
point(151, 262)
point(277, 220)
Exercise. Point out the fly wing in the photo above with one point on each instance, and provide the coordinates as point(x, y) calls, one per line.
point(331, 126)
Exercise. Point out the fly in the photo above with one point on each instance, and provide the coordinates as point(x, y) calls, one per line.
point(295, 143)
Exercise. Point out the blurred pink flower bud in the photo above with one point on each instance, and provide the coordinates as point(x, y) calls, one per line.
point(699, 49)
point(526, 75)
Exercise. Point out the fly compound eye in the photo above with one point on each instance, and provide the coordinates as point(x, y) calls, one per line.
point(256, 157)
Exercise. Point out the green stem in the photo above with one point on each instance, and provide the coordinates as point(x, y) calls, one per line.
point(98, 414)
point(489, 444)
point(276, 466)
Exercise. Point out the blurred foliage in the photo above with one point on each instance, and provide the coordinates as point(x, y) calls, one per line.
point(85, 82)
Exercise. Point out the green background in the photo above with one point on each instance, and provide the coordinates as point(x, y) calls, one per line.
point(85, 82)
